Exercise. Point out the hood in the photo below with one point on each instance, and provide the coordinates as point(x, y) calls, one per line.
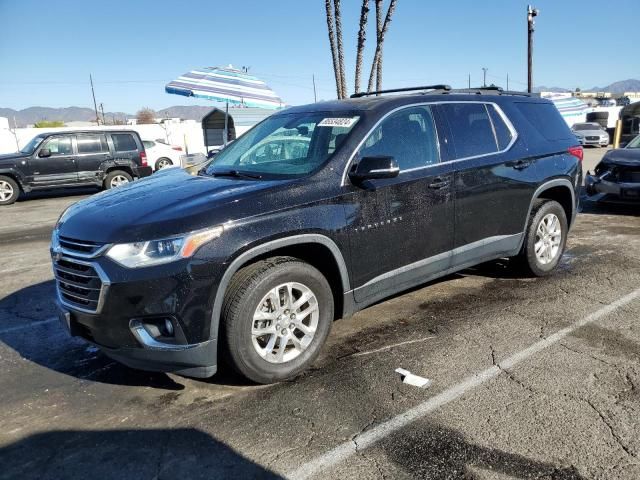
point(628, 157)
point(12, 156)
point(168, 203)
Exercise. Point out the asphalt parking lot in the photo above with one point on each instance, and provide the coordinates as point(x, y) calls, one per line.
point(531, 378)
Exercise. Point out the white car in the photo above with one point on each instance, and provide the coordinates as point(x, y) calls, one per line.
point(161, 155)
point(591, 134)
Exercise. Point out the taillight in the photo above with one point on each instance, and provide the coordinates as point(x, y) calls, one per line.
point(177, 148)
point(577, 152)
point(143, 158)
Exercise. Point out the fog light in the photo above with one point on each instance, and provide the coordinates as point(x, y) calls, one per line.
point(168, 327)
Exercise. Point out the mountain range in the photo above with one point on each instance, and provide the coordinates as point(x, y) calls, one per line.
point(29, 116)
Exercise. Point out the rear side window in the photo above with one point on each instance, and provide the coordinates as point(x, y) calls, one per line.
point(409, 136)
point(471, 129)
point(546, 119)
point(123, 142)
point(503, 134)
point(92, 144)
point(148, 143)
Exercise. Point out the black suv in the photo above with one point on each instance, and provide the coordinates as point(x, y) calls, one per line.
point(71, 159)
point(314, 214)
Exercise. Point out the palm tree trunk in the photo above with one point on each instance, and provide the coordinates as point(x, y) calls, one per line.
point(334, 50)
point(362, 37)
point(378, 33)
point(377, 58)
point(338, 14)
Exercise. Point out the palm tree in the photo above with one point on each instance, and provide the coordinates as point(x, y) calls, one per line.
point(376, 67)
point(362, 37)
point(334, 50)
point(343, 82)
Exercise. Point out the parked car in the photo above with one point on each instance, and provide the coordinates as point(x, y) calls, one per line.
point(161, 155)
point(254, 261)
point(617, 176)
point(104, 159)
point(591, 133)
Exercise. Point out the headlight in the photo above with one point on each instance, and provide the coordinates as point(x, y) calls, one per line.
point(156, 252)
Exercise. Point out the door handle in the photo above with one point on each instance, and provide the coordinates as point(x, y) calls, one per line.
point(438, 183)
point(521, 164)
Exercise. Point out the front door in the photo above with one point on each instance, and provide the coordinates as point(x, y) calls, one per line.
point(92, 151)
point(401, 229)
point(59, 168)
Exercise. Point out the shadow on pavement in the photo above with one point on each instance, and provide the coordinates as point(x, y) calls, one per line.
point(610, 208)
point(57, 192)
point(184, 453)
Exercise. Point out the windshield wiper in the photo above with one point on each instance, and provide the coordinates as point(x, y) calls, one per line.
point(237, 174)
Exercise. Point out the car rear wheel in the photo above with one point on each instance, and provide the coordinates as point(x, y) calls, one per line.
point(163, 162)
point(545, 239)
point(276, 316)
point(117, 178)
point(9, 190)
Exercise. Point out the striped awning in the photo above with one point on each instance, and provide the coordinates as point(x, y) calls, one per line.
point(225, 85)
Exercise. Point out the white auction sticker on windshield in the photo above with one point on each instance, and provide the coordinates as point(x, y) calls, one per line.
point(338, 122)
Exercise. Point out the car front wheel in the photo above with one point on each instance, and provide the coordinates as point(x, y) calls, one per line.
point(9, 190)
point(276, 316)
point(545, 239)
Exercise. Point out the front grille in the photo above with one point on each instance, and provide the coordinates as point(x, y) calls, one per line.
point(593, 138)
point(79, 284)
point(629, 176)
point(80, 247)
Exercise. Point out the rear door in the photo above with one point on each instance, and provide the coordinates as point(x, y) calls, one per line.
point(403, 229)
point(92, 150)
point(125, 147)
point(494, 181)
point(57, 169)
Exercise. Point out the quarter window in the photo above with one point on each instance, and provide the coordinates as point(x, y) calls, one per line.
point(409, 136)
point(59, 146)
point(92, 144)
point(123, 142)
point(471, 129)
point(503, 133)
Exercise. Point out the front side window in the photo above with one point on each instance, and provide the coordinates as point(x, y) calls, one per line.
point(409, 136)
point(123, 142)
point(286, 145)
point(92, 144)
point(59, 146)
point(33, 144)
point(471, 129)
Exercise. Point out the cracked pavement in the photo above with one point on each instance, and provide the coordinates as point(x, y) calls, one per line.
point(570, 411)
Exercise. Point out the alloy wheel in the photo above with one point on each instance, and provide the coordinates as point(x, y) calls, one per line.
point(548, 239)
point(6, 191)
point(285, 322)
point(118, 181)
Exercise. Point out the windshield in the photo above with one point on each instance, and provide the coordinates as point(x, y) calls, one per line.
point(33, 144)
point(285, 145)
point(586, 126)
point(635, 143)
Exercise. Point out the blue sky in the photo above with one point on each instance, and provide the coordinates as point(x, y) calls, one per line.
point(134, 47)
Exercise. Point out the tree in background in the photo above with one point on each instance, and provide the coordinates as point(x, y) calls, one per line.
point(48, 124)
point(334, 27)
point(145, 115)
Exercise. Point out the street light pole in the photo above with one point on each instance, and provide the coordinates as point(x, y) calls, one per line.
point(484, 82)
point(531, 14)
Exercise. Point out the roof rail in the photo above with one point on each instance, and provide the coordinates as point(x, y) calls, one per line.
point(406, 89)
point(491, 90)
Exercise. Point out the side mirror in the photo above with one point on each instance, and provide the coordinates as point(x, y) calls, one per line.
point(44, 153)
point(369, 168)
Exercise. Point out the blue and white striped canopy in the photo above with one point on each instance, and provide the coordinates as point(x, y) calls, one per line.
point(225, 85)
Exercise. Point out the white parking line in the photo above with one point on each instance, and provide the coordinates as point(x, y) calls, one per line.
point(26, 267)
point(383, 430)
point(28, 325)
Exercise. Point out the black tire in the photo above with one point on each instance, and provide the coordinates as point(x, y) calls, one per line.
point(113, 174)
point(527, 259)
point(162, 160)
point(8, 183)
point(246, 290)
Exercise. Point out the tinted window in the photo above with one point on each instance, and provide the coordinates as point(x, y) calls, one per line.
point(471, 129)
point(409, 136)
point(546, 119)
point(503, 134)
point(123, 142)
point(92, 144)
point(59, 146)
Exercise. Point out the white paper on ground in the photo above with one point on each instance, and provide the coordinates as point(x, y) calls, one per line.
point(411, 379)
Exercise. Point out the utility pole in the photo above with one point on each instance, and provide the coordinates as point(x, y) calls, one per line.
point(531, 14)
point(102, 110)
point(95, 105)
point(484, 82)
point(469, 82)
point(315, 96)
point(507, 82)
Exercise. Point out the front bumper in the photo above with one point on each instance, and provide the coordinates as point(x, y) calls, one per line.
point(601, 185)
point(134, 305)
point(601, 142)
